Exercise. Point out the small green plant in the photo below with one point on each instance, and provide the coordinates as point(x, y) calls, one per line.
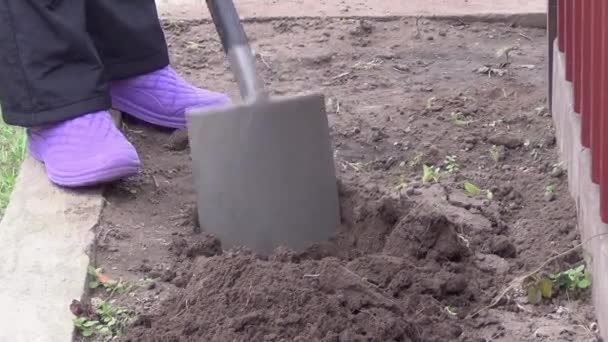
point(108, 321)
point(417, 160)
point(505, 51)
point(496, 153)
point(551, 189)
point(471, 188)
point(450, 164)
point(12, 150)
point(402, 183)
point(85, 326)
point(459, 119)
point(576, 278)
point(538, 288)
point(474, 190)
point(430, 173)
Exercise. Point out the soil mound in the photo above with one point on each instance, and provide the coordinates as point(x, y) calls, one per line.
point(370, 283)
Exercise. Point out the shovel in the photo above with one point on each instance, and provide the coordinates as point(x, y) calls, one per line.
point(263, 168)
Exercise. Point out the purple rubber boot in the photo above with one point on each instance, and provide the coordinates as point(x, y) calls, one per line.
point(161, 97)
point(87, 150)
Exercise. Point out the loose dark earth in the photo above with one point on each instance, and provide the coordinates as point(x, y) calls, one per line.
point(413, 260)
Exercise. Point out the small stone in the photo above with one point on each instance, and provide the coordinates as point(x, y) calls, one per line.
point(541, 111)
point(550, 196)
point(557, 172)
point(178, 141)
point(442, 33)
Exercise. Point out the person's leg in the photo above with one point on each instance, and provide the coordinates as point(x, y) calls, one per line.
point(130, 40)
point(128, 36)
point(52, 81)
point(49, 69)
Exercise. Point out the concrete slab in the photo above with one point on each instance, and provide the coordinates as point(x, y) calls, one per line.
point(582, 189)
point(43, 238)
point(526, 12)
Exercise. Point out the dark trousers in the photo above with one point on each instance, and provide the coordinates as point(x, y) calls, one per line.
point(57, 56)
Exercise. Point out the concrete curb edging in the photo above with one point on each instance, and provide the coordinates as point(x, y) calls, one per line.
point(44, 236)
point(583, 190)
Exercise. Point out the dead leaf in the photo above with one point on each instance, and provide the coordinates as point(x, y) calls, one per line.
point(102, 277)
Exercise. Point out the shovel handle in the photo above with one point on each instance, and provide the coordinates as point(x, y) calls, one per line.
point(236, 45)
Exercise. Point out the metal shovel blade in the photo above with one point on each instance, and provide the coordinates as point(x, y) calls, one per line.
point(264, 173)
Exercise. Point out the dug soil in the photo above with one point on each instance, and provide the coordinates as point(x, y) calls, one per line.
point(412, 260)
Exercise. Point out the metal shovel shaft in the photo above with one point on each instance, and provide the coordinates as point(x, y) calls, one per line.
point(235, 43)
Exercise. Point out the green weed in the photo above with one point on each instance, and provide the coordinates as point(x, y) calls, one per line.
point(551, 189)
point(496, 153)
point(450, 164)
point(107, 321)
point(460, 120)
point(573, 279)
point(576, 278)
point(430, 173)
point(12, 150)
point(474, 190)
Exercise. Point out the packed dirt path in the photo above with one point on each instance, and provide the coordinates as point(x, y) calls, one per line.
point(419, 256)
point(195, 9)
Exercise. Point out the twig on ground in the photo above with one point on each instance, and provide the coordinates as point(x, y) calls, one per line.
point(264, 61)
point(344, 74)
point(523, 35)
point(418, 26)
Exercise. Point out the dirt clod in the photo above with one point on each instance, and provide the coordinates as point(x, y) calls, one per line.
point(455, 284)
point(506, 139)
point(503, 247)
point(363, 28)
point(178, 141)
